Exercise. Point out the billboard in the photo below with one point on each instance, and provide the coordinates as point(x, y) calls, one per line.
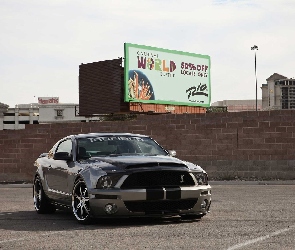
point(161, 76)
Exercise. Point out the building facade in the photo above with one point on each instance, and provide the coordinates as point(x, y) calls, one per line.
point(278, 93)
point(239, 105)
point(18, 117)
point(35, 113)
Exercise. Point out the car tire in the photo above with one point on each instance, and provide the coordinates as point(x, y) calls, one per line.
point(41, 202)
point(80, 202)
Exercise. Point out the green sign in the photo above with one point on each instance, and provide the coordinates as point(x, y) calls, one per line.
point(155, 75)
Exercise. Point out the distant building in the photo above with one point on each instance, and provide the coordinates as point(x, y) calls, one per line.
point(278, 93)
point(48, 110)
point(239, 105)
point(16, 118)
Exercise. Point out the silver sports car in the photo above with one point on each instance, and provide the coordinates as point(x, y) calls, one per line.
point(118, 175)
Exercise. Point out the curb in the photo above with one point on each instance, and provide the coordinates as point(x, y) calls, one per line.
point(10, 185)
point(278, 182)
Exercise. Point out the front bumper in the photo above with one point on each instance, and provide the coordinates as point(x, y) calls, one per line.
point(150, 202)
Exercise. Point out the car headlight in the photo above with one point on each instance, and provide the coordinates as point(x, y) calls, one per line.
point(107, 181)
point(202, 178)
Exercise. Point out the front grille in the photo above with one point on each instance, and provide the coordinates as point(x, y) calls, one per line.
point(160, 206)
point(152, 164)
point(150, 179)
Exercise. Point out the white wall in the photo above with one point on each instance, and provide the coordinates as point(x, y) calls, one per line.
point(49, 113)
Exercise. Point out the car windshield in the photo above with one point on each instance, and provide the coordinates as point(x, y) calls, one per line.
point(118, 145)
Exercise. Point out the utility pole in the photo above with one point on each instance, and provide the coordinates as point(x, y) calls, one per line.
point(255, 47)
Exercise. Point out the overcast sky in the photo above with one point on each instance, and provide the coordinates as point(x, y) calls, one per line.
point(42, 43)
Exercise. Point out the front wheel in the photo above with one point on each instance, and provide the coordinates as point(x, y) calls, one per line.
point(41, 202)
point(80, 202)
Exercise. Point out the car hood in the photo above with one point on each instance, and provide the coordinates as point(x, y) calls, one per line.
point(136, 162)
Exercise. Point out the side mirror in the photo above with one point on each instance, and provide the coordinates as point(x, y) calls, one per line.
point(172, 153)
point(64, 156)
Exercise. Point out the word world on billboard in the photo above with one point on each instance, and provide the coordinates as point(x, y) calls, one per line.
point(155, 64)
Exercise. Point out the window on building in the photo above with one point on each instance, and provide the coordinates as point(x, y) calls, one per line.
point(24, 122)
point(284, 98)
point(59, 112)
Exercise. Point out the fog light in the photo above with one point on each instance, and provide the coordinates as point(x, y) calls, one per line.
point(110, 208)
point(204, 204)
point(105, 182)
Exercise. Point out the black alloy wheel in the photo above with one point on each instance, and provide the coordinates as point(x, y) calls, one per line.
point(80, 202)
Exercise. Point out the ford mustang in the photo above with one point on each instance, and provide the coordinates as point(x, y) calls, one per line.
point(107, 175)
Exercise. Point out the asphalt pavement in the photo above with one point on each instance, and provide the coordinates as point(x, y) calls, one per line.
point(243, 216)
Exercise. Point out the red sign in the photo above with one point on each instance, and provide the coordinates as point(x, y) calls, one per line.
point(48, 100)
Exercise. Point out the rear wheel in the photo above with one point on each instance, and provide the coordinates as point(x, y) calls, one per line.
point(41, 202)
point(80, 202)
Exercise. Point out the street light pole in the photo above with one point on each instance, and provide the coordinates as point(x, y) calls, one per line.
point(255, 47)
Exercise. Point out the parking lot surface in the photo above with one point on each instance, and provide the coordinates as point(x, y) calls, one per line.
point(242, 217)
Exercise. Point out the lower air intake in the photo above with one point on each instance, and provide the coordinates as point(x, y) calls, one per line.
point(160, 206)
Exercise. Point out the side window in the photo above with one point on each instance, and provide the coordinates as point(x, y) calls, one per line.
point(65, 146)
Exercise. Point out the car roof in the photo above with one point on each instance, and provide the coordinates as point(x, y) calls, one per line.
point(105, 134)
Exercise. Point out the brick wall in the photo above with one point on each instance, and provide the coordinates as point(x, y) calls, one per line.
point(244, 145)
